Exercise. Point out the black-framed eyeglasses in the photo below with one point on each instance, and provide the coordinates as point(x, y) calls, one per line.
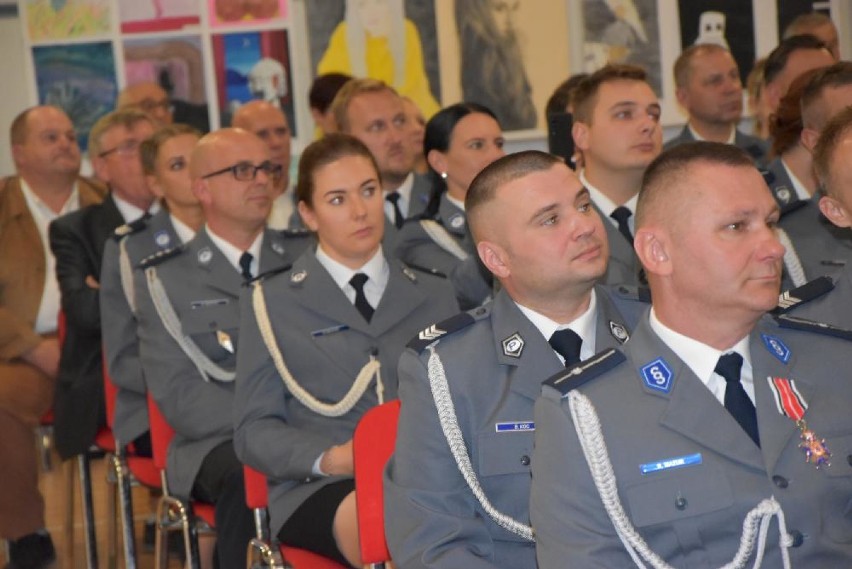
point(150, 105)
point(127, 148)
point(247, 172)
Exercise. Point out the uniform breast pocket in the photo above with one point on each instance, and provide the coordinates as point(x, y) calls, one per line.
point(505, 453)
point(213, 327)
point(837, 502)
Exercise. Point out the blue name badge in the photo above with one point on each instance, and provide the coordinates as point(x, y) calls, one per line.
point(669, 463)
point(514, 426)
point(330, 330)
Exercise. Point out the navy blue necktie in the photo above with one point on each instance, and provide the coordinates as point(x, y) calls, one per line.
point(357, 281)
point(621, 214)
point(737, 401)
point(399, 218)
point(245, 264)
point(567, 344)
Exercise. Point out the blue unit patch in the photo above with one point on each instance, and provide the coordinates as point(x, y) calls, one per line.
point(776, 347)
point(657, 375)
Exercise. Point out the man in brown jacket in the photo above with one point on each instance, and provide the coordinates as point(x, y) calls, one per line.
point(47, 160)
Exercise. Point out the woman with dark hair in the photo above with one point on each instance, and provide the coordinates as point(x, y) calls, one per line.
point(460, 141)
point(319, 347)
point(492, 67)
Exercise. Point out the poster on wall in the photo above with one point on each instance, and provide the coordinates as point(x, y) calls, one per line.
point(79, 79)
point(391, 40)
point(253, 65)
point(245, 12)
point(788, 10)
point(157, 15)
point(729, 23)
point(48, 20)
point(175, 64)
point(623, 31)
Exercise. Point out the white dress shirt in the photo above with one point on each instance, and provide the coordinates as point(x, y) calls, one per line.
point(584, 326)
point(607, 206)
point(233, 254)
point(404, 191)
point(376, 269)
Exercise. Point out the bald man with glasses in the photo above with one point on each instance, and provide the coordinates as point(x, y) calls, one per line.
point(188, 318)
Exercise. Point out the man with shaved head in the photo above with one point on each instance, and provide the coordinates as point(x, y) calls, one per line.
point(537, 232)
point(269, 122)
point(188, 324)
point(675, 447)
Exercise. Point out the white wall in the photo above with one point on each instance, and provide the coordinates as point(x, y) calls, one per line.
point(14, 96)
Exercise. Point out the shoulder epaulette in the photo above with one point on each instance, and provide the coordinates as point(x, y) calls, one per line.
point(427, 270)
point(430, 335)
point(270, 273)
point(585, 371)
point(129, 228)
point(160, 256)
point(630, 292)
point(790, 299)
point(796, 323)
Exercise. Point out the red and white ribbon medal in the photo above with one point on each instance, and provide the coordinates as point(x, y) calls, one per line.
point(791, 404)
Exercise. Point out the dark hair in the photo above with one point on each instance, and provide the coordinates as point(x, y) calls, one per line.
point(438, 135)
point(806, 21)
point(833, 76)
point(584, 97)
point(777, 59)
point(150, 147)
point(324, 88)
point(322, 152)
point(829, 139)
point(561, 96)
point(785, 124)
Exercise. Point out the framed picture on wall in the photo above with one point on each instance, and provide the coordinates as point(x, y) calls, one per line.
point(157, 15)
point(245, 12)
point(50, 20)
point(729, 23)
point(253, 65)
point(79, 79)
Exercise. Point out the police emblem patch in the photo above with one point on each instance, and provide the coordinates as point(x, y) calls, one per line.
point(657, 375)
point(298, 277)
point(513, 346)
point(784, 194)
point(162, 239)
point(618, 331)
point(205, 256)
point(457, 221)
point(776, 347)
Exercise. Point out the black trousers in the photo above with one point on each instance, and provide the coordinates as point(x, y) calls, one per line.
point(220, 482)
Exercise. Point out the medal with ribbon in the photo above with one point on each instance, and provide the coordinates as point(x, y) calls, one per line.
point(791, 404)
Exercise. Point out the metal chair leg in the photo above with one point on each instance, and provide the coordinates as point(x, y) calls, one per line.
point(68, 465)
point(112, 512)
point(88, 511)
point(125, 495)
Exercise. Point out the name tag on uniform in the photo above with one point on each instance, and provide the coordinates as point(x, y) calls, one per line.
point(514, 426)
point(668, 463)
point(207, 303)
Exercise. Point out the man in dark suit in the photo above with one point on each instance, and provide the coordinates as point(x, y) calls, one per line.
point(47, 160)
point(78, 241)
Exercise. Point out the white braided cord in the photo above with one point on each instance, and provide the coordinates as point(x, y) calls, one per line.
point(791, 259)
point(359, 387)
point(171, 322)
point(443, 239)
point(450, 426)
point(755, 525)
point(126, 270)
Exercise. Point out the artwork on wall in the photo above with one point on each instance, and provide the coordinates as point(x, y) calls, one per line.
point(79, 79)
point(50, 20)
point(245, 12)
point(177, 65)
point(253, 65)
point(623, 31)
point(789, 9)
point(729, 23)
point(391, 40)
point(157, 15)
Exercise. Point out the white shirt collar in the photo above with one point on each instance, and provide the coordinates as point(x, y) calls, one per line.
point(731, 139)
point(584, 325)
point(606, 205)
point(376, 269)
point(130, 212)
point(184, 232)
point(39, 209)
point(458, 203)
point(801, 190)
point(404, 191)
point(702, 359)
point(233, 254)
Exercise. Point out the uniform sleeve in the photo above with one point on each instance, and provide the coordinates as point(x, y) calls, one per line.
point(73, 264)
point(431, 519)
point(571, 526)
point(262, 437)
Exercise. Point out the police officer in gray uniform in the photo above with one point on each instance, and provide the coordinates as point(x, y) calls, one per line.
point(714, 418)
point(321, 342)
point(189, 326)
point(467, 506)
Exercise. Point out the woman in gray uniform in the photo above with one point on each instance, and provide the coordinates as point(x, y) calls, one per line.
point(320, 347)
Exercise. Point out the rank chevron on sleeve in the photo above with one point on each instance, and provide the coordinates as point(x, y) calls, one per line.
point(431, 333)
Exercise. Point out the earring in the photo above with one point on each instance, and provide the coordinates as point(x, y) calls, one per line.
point(443, 175)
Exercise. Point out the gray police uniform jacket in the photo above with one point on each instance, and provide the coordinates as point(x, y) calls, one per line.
point(755, 147)
point(139, 240)
point(822, 247)
point(324, 341)
point(417, 202)
point(495, 360)
point(825, 299)
point(692, 515)
point(623, 266)
point(204, 289)
point(417, 247)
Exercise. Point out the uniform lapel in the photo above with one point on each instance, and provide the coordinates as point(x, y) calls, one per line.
point(419, 197)
point(692, 410)
point(452, 218)
point(611, 329)
point(401, 297)
point(220, 274)
point(273, 252)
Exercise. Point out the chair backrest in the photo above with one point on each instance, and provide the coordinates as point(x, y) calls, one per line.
point(110, 394)
point(373, 444)
point(161, 434)
point(257, 491)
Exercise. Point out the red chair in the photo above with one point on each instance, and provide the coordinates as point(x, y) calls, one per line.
point(373, 444)
point(262, 552)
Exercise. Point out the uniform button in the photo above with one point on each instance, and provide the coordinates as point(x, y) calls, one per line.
point(797, 537)
point(780, 481)
point(681, 503)
point(525, 460)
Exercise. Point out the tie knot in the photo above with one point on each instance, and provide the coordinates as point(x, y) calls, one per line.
point(729, 367)
point(567, 344)
point(245, 264)
point(358, 280)
point(621, 214)
point(393, 197)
